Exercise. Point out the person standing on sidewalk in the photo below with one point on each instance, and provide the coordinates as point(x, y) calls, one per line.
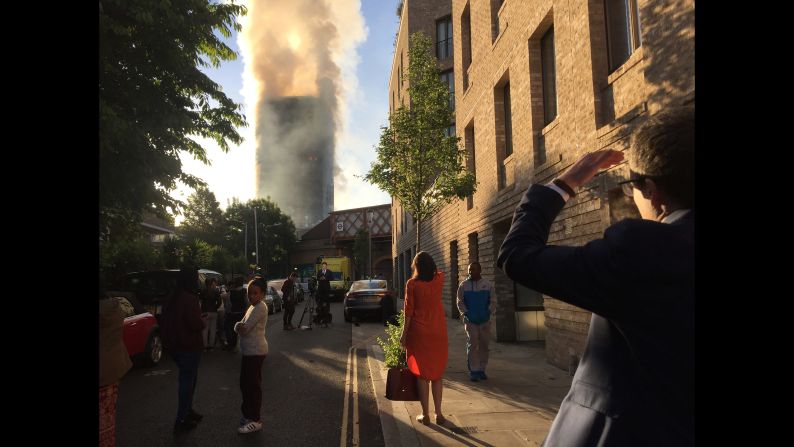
point(210, 301)
point(424, 336)
point(288, 292)
point(114, 362)
point(476, 303)
point(182, 325)
point(253, 345)
point(635, 383)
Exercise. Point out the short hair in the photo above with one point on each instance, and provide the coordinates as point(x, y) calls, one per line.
point(424, 266)
point(663, 148)
point(477, 263)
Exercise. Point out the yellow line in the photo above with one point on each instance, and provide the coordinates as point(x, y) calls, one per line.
point(355, 399)
point(343, 438)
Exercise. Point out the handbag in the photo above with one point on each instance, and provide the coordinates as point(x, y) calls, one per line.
point(401, 385)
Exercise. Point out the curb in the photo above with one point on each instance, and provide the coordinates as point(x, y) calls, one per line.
point(394, 418)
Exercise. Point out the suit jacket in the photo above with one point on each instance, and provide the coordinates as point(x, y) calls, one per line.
point(635, 382)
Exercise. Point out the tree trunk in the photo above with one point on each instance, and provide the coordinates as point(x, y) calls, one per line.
point(418, 246)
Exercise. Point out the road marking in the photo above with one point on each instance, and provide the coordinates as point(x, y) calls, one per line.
point(343, 439)
point(355, 398)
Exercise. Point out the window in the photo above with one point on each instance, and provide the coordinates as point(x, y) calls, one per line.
point(508, 121)
point(549, 76)
point(495, 26)
point(623, 30)
point(400, 77)
point(471, 162)
point(444, 38)
point(474, 248)
point(465, 29)
point(448, 78)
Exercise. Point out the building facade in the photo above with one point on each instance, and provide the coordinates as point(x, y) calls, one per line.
point(537, 85)
point(295, 157)
point(336, 235)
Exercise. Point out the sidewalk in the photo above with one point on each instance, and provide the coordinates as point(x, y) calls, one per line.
point(515, 406)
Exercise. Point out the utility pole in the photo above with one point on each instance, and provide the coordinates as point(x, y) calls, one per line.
point(256, 237)
point(245, 246)
point(369, 230)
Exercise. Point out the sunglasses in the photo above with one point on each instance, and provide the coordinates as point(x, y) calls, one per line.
point(629, 185)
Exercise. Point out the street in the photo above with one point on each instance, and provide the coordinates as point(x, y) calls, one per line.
point(316, 386)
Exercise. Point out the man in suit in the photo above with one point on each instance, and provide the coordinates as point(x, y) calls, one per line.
point(326, 274)
point(635, 382)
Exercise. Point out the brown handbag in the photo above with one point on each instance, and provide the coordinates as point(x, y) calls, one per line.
point(401, 385)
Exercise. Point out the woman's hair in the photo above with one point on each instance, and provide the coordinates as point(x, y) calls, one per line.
point(188, 279)
point(424, 266)
point(259, 282)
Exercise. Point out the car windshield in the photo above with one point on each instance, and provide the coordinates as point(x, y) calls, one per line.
point(368, 284)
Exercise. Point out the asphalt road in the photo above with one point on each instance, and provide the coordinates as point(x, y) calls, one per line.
point(307, 384)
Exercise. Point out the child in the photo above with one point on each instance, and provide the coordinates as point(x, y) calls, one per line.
point(253, 346)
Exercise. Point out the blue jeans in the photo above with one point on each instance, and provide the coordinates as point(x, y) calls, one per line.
point(188, 363)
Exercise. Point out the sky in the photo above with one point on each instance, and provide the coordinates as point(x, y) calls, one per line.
point(231, 175)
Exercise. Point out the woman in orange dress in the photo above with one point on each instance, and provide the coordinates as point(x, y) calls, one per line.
point(425, 332)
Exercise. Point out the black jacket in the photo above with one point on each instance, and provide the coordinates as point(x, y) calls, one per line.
point(635, 382)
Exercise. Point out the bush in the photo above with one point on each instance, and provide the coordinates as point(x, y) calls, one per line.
point(392, 351)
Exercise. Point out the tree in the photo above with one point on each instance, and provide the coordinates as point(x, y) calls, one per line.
point(276, 234)
point(127, 255)
point(361, 252)
point(203, 218)
point(153, 98)
point(417, 163)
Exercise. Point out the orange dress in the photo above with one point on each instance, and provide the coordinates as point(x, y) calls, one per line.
point(426, 343)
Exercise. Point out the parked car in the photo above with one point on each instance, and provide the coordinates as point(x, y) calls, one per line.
point(369, 296)
point(272, 298)
point(154, 288)
point(141, 333)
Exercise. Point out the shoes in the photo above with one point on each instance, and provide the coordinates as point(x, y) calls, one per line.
point(185, 425)
point(250, 427)
point(194, 416)
point(422, 419)
point(474, 376)
point(483, 376)
point(440, 419)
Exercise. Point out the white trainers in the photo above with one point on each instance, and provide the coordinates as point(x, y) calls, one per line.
point(250, 427)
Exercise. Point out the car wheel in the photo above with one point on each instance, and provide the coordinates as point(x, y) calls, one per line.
point(154, 349)
point(348, 318)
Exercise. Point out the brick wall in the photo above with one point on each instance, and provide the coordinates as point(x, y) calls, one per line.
point(595, 109)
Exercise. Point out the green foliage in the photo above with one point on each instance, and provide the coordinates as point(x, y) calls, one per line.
point(154, 99)
point(276, 234)
point(361, 252)
point(417, 163)
point(393, 353)
point(203, 218)
point(198, 253)
point(122, 256)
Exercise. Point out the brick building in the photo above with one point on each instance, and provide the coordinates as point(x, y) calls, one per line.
point(538, 84)
point(336, 234)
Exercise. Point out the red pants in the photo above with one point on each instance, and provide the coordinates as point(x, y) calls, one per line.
point(107, 415)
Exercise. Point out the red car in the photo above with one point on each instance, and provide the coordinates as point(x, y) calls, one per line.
point(141, 334)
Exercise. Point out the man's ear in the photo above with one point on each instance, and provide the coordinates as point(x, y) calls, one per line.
point(651, 191)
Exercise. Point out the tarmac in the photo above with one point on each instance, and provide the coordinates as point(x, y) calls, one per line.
point(514, 407)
